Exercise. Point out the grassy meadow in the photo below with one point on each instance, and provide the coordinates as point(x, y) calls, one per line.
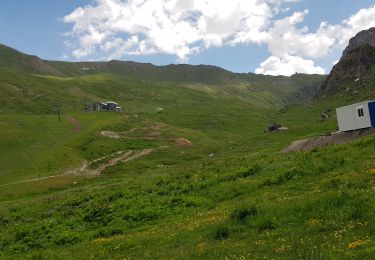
point(230, 194)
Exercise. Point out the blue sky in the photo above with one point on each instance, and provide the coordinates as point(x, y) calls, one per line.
point(245, 36)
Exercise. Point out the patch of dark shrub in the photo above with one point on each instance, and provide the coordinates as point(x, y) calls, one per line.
point(282, 178)
point(115, 196)
point(99, 215)
point(108, 232)
point(250, 172)
point(266, 224)
point(243, 214)
point(141, 216)
point(221, 233)
point(67, 239)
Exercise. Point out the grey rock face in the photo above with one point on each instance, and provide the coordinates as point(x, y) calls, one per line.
point(358, 56)
point(361, 39)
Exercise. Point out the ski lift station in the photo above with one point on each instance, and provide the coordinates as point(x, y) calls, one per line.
point(356, 116)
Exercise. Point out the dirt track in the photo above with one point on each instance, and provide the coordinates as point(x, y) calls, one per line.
point(120, 156)
point(84, 168)
point(128, 156)
point(110, 134)
point(154, 133)
point(334, 139)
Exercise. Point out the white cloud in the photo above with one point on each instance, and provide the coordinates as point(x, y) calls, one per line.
point(177, 27)
point(288, 65)
point(293, 47)
point(363, 19)
point(285, 37)
point(114, 28)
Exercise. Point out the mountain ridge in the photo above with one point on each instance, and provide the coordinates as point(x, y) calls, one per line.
point(170, 72)
point(270, 91)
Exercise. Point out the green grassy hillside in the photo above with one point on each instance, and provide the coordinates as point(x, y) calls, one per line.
point(277, 87)
point(185, 171)
point(29, 116)
point(230, 194)
point(11, 58)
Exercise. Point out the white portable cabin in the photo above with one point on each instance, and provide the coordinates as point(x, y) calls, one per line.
point(356, 116)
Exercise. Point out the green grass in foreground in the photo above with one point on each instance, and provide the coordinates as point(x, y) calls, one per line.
point(257, 205)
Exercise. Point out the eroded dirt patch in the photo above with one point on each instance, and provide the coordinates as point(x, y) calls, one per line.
point(127, 156)
point(334, 139)
point(115, 158)
point(182, 141)
point(152, 133)
point(110, 134)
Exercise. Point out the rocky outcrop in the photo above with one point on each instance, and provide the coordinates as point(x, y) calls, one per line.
point(355, 62)
point(363, 38)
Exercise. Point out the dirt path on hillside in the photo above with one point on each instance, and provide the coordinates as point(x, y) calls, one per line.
point(321, 141)
point(128, 156)
point(73, 171)
point(154, 134)
point(180, 141)
point(116, 158)
point(110, 134)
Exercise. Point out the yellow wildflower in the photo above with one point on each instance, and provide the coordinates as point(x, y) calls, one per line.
point(283, 249)
point(356, 244)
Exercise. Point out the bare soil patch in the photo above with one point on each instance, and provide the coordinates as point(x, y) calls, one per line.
point(182, 142)
point(334, 139)
point(110, 134)
point(128, 156)
point(152, 133)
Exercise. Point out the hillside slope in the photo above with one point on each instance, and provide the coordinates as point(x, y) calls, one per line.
point(11, 58)
point(267, 90)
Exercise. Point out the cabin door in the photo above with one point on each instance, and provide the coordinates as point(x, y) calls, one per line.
point(371, 107)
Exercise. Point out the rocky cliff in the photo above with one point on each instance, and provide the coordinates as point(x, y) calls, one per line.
point(363, 38)
point(357, 60)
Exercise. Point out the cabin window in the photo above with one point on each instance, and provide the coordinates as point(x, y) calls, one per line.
point(361, 112)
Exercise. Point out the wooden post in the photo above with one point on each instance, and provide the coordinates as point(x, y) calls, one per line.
point(85, 104)
point(58, 114)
